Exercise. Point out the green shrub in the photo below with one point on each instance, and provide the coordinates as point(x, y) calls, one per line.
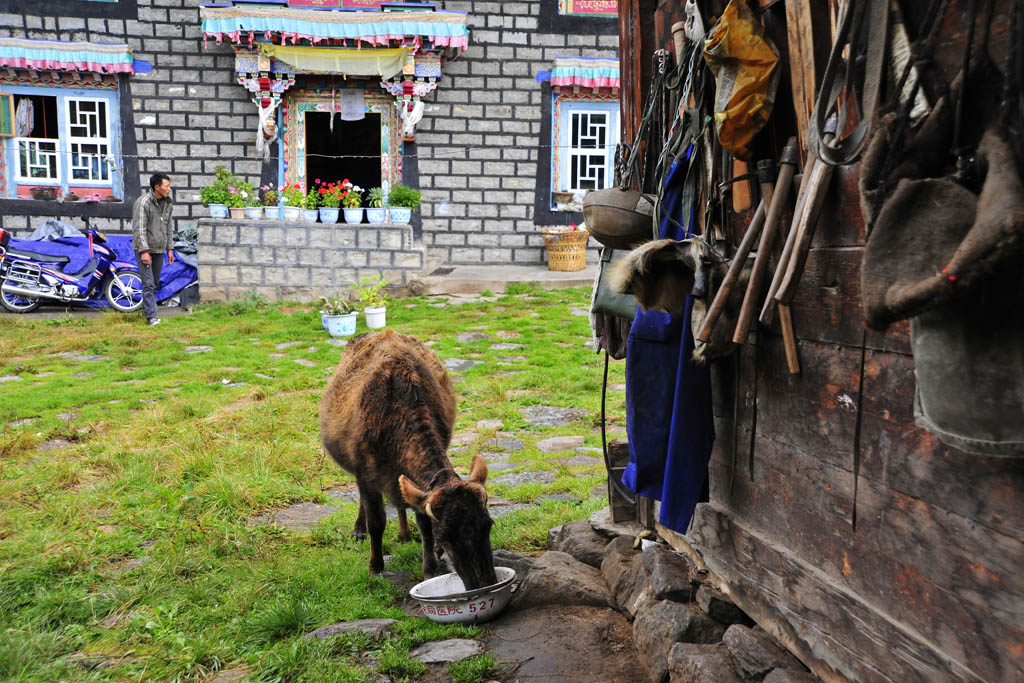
point(405, 197)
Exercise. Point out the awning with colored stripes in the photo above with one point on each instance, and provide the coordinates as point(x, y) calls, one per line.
point(104, 58)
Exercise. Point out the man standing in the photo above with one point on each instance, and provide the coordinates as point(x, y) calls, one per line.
point(151, 238)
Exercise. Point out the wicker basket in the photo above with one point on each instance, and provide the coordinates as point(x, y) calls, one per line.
point(567, 249)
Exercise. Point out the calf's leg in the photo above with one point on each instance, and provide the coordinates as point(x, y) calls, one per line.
point(427, 536)
point(372, 507)
point(404, 535)
point(359, 530)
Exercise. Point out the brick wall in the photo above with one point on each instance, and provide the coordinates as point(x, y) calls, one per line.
point(478, 145)
point(479, 142)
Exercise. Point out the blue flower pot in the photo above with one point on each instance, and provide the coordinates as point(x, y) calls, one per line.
point(323, 319)
point(400, 216)
point(328, 215)
point(218, 211)
point(376, 215)
point(354, 215)
point(310, 215)
point(341, 325)
point(272, 212)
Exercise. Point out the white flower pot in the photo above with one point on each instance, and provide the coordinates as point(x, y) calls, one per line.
point(218, 211)
point(310, 215)
point(272, 212)
point(340, 325)
point(291, 213)
point(254, 213)
point(328, 215)
point(375, 317)
point(376, 215)
point(354, 215)
point(400, 215)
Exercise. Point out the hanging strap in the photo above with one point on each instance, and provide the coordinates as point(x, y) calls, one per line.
point(616, 484)
point(838, 83)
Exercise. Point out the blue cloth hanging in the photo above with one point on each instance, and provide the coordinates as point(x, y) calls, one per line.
point(668, 396)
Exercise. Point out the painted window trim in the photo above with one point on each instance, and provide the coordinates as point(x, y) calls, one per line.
point(552, 21)
point(10, 181)
point(120, 9)
point(561, 108)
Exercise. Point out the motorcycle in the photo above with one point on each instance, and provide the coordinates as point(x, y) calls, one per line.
point(29, 275)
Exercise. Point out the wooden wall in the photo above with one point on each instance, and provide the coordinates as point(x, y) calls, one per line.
point(929, 586)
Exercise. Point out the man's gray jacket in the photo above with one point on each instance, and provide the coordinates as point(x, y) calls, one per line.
point(151, 224)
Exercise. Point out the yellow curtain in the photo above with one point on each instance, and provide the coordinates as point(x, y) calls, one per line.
point(366, 62)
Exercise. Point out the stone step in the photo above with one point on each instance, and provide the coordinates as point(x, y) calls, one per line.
point(289, 260)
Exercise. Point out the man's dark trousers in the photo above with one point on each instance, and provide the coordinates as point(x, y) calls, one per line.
point(150, 276)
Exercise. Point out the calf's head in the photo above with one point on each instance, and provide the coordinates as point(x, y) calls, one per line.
point(458, 513)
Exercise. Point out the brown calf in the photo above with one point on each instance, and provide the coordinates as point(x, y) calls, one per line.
point(387, 418)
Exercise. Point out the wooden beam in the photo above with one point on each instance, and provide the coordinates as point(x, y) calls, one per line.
point(805, 22)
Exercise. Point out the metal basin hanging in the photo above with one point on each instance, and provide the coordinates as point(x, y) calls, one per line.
point(620, 219)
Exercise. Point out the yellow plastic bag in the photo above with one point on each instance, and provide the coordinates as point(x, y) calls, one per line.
point(745, 63)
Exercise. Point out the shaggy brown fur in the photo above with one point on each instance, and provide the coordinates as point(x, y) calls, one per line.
point(387, 418)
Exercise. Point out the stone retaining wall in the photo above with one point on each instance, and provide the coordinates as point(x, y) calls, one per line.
point(300, 261)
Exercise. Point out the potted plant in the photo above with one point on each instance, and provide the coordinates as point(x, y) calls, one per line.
point(330, 202)
point(294, 200)
point(238, 199)
point(352, 200)
point(270, 197)
point(369, 292)
point(309, 205)
point(338, 316)
point(376, 213)
point(254, 208)
point(215, 195)
point(401, 202)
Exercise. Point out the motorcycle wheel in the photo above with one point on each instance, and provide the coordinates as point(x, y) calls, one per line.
point(124, 292)
point(18, 304)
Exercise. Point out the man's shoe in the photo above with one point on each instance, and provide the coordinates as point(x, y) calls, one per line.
point(154, 321)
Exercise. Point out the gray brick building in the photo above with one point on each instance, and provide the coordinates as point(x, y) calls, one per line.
point(482, 153)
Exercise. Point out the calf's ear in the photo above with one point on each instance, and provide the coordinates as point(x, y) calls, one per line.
point(478, 470)
point(412, 493)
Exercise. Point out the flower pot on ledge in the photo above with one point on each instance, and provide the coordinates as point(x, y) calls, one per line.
point(310, 215)
point(329, 215)
point(291, 213)
point(400, 215)
point(218, 211)
point(376, 215)
point(237, 214)
point(354, 215)
point(254, 213)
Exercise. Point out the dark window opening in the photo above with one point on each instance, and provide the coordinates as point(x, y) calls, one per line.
point(351, 150)
point(44, 116)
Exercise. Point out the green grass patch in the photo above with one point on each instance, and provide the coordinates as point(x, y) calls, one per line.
point(130, 482)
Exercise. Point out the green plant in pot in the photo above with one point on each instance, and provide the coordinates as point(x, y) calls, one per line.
point(239, 197)
point(338, 315)
point(294, 201)
point(369, 291)
point(375, 211)
point(215, 195)
point(402, 200)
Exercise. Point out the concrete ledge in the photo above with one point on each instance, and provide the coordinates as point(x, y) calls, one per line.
point(496, 278)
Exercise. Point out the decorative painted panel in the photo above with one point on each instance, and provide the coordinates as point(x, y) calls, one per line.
point(294, 107)
point(598, 8)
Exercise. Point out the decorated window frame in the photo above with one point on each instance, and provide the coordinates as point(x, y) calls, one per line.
point(86, 155)
point(574, 149)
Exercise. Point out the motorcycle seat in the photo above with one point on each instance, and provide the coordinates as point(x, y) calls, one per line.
point(86, 269)
point(36, 256)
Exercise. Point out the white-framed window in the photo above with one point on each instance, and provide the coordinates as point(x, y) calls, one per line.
point(88, 140)
point(65, 138)
point(585, 132)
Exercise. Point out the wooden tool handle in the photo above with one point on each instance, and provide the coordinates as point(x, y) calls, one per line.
point(735, 268)
point(768, 310)
point(771, 224)
point(789, 339)
point(817, 190)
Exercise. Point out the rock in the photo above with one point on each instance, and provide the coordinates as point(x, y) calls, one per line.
point(506, 346)
point(239, 673)
point(670, 574)
point(89, 358)
point(559, 497)
point(11, 378)
point(581, 541)
point(551, 416)
point(460, 364)
point(300, 517)
point(374, 627)
point(755, 652)
point(67, 417)
point(198, 349)
point(623, 570)
point(553, 534)
point(464, 438)
point(518, 478)
point(577, 461)
point(690, 663)
point(305, 363)
point(617, 387)
point(286, 345)
point(445, 651)
point(467, 337)
point(338, 342)
point(557, 578)
point(589, 449)
point(603, 524)
point(556, 444)
point(53, 445)
point(656, 629)
point(490, 424)
point(490, 456)
point(505, 444)
point(83, 374)
point(497, 511)
point(511, 359)
point(718, 606)
point(506, 334)
point(503, 465)
point(790, 676)
point(521, 563)
point(23, 422)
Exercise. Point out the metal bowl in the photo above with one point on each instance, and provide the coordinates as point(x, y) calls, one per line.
point(446, 600)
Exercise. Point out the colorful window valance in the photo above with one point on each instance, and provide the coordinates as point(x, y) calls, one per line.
point(384, 63)
point(584, 72)
point(25, 53)
point(242, 24)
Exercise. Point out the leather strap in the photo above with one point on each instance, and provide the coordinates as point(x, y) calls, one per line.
point(838, 83)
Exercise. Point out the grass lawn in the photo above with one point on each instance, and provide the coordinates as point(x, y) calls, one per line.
point(131, 471)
